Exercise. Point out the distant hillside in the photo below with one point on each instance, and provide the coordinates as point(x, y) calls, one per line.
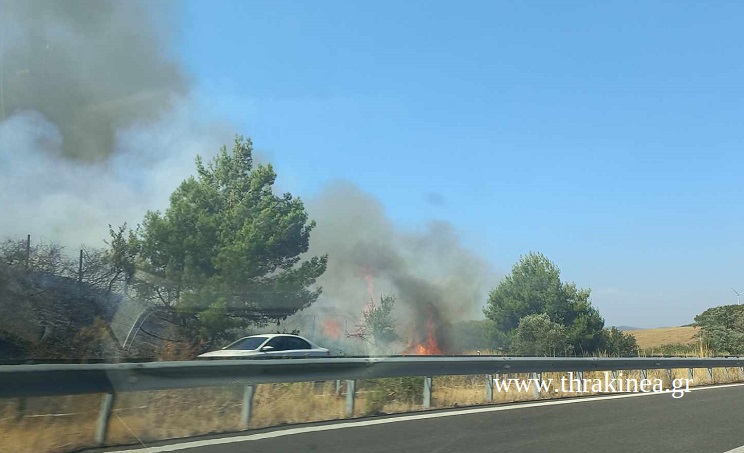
point(651, 338)
point(625, 328)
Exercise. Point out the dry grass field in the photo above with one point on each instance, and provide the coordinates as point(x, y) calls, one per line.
point(651, 338)
point(65, 424)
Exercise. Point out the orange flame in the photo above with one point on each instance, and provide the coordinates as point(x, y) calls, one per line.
point(429, 346)
point(331, 328)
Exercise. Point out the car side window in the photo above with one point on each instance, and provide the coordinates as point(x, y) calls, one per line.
point(297, 343)
point(278, 343)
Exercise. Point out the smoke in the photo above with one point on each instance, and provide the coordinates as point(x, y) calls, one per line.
point(53, 198)
point(90, 67)
point(97, 126)
point(96, 123)
point(434, 278)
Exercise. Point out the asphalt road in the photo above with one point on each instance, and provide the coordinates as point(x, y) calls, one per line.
point(704, 420)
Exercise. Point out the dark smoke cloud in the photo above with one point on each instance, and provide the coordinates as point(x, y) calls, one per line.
point(97, 124)
point(433, 276)
point(90, 67)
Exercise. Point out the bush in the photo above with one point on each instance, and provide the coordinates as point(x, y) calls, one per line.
point(537, 335)
point(619, 344)
point(404, 390)
point(722, 329)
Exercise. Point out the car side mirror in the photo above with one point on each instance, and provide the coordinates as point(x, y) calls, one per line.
point(267, 348)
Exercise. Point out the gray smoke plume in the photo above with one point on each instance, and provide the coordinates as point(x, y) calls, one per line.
point(96, 123)
point(434, 278)
point(97, 126)
point(90, 67)
point(56, 199)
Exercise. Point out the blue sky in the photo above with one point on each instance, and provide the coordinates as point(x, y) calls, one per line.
point(606, 135)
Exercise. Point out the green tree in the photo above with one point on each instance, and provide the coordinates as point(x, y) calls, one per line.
point(537, 335)
point(534, 287)
point(227, 252)
point(381, 322)
point(618, 343)
point(722, 328)
point(378, 325)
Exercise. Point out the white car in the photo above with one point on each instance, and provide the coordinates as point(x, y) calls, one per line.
point(269, 346)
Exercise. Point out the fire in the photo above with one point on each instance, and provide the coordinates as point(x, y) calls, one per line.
point(429, 346)
point(331, 328)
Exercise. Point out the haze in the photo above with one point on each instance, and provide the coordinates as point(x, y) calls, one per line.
point(603, 135)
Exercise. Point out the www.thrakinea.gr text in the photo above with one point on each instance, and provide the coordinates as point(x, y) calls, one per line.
point(573, 383)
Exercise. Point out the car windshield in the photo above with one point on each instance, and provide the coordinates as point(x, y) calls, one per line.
point(247, 344)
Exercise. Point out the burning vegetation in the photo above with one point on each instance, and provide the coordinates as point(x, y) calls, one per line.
point(380, 331)
point(331, 329)
point(435, 281)
point(429, 345)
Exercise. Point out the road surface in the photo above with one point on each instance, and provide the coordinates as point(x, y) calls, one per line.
point(704, 420)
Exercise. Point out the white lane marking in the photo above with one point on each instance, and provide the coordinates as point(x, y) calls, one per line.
point(424, 416)
point(736, 450)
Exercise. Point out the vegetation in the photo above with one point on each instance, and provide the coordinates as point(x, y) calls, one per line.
point(99, 270)
point(51, 305)
point(224, 257)
point(619, 343)
point(722, 329)
point(674, 350)
point(537, 335)
point(406, 390)
point(227, 257)
point(534, 312)
point(378, 326)
point(226, 253)
point(475, 335)
point(651, 338)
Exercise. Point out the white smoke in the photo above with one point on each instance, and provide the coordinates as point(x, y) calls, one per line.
point(71, 202)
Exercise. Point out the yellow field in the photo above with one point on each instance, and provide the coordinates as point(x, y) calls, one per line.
point(651, 338)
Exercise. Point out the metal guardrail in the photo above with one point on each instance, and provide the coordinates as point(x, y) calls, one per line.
point(109, 379)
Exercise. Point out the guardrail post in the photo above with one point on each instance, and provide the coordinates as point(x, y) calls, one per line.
point(741, 373)
point(710, 374)
point(350, 394)
point(644, 374)
point(614, 374)
point(537, 378)
point(489, 388)
point(580, 377)
point(691, 373)
point(338, 387)
point(245, 414)
point(669, 375)
point(104, 415)
point(21, 408)
point(427, 392)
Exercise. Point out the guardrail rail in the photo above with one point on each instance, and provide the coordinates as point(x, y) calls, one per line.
point(109, 379)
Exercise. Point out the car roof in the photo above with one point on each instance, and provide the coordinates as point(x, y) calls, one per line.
point(274, 335)
point(269, 336)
